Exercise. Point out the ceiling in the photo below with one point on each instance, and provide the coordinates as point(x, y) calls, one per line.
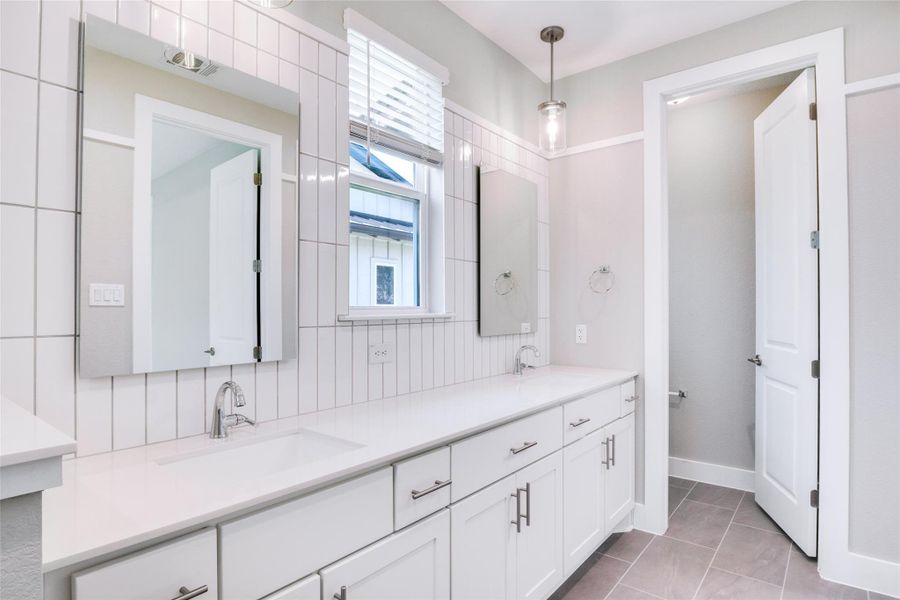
point(597, 32)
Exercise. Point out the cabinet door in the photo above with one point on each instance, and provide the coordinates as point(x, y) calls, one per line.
point(585, 519)
point(619, 483)
point(483, 549)
point(539, 553)
point(309, 588)
point(413, 564)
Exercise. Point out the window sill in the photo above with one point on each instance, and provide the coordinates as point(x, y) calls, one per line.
point(369, 315)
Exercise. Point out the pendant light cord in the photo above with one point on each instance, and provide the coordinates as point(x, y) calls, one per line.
point(551, 70)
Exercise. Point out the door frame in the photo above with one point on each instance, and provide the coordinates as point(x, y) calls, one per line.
point(825, 52)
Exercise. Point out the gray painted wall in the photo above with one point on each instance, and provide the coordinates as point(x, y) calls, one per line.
point(484, 78)
point(712, 277)
point(607, 101)
point(20, 548)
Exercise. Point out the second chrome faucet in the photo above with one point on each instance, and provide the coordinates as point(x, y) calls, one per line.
point(220, 421)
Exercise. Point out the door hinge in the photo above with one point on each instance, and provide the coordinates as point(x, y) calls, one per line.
point(814, 368)
point(814, 240)
point(257, 266)
point(814, 498)
point(257, 179)
point(813, 111)
point(257, 353)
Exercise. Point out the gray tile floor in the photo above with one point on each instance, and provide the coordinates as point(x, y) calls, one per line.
point(719, 545)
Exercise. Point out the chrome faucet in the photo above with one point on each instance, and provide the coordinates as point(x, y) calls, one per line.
point(220, 421)
point(520, 365)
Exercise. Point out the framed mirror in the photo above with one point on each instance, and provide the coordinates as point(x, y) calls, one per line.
point(507, 237)
point(188, 202)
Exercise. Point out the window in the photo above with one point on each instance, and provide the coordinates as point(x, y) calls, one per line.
point(396, 146)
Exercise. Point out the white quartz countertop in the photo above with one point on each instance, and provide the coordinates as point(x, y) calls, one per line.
point(112, 501)
point(26, 438)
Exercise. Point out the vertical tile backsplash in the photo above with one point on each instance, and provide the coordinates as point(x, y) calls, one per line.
point(40, 225)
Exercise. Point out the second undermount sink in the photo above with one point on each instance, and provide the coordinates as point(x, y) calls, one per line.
point(255, 458)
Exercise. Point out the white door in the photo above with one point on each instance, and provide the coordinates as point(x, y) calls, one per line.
point(618, 470)
point(787, 320)
point(584, 519)
point(483, 549)
point(413, 564)
point(232, 250)
point(539, 554)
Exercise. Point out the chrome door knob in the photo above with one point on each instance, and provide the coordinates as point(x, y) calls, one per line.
point(756, 360)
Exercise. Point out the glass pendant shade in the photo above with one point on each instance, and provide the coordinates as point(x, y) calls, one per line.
point(552, 125)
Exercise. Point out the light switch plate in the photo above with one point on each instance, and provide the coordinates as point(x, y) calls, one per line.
point(381, 353)
point(581, 334)
point(106, 294)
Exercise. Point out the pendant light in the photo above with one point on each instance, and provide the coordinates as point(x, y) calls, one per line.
point(552, 112)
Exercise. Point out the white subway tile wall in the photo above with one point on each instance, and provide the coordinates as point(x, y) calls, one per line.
point(40, 225)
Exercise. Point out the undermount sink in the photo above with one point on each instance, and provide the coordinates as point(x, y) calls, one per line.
point(255, 458)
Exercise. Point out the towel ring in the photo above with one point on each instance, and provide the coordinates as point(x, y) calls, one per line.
point(597, 275)
point(509, 286)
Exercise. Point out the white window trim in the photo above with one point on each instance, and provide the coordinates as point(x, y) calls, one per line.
point(427, 301)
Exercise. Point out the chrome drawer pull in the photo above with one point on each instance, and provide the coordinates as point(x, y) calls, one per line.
point(342, 595)
point(607, 461)
point(613, 450)
point(579, 422)
point(528, 504)
point(635, 397)
point(416, 494)
point(186, 594)
point(523, 448)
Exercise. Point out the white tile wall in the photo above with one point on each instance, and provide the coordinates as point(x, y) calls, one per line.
point(39, 220)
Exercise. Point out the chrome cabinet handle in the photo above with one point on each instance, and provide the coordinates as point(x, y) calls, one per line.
point(342, 595)
point(186, 594)
point(523, 448)
point(756, 360)
point(527, 491)
point(579, 422)
point(632, 399)
point(608, 455)
point(416, 494)
point(518, 521)
point(613, 450)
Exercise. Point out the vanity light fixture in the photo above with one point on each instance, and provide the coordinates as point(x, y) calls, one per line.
point(677, 101)
point(552, 112)
point(271, 3)
point(184, 59)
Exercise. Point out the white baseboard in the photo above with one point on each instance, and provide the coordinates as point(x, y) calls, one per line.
point(733, 477)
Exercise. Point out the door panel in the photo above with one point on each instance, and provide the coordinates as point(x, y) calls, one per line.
point(483, 551)
point(539, 568)
point(232, 250)
point(413, 565)
point(584, 520)
point(787, 311)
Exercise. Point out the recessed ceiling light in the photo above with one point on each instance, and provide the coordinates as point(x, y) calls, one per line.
point(677, 101)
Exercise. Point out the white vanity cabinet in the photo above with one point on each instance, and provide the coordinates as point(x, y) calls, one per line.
point(183, 568)
point(309, 588)
point(619, 476)
point(413, 564)
point(585, 518)
point(506, 545)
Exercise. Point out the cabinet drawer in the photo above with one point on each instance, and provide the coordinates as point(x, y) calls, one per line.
point(309, 588)
point(158, 572)
point(421, 486)
point(590, 413)
point(628, 397)
point(483, 459)
point(266, 551)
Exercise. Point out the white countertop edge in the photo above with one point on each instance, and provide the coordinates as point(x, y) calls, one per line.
point(237, 509)
point(26, 438)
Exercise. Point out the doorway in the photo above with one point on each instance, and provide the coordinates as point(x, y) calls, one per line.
point(743, 300)
point(825, 52)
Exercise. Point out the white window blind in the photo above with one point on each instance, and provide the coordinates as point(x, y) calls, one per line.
point(394, 104)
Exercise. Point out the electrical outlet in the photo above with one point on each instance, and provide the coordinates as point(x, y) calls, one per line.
point(581, 334)
point(381, 353)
